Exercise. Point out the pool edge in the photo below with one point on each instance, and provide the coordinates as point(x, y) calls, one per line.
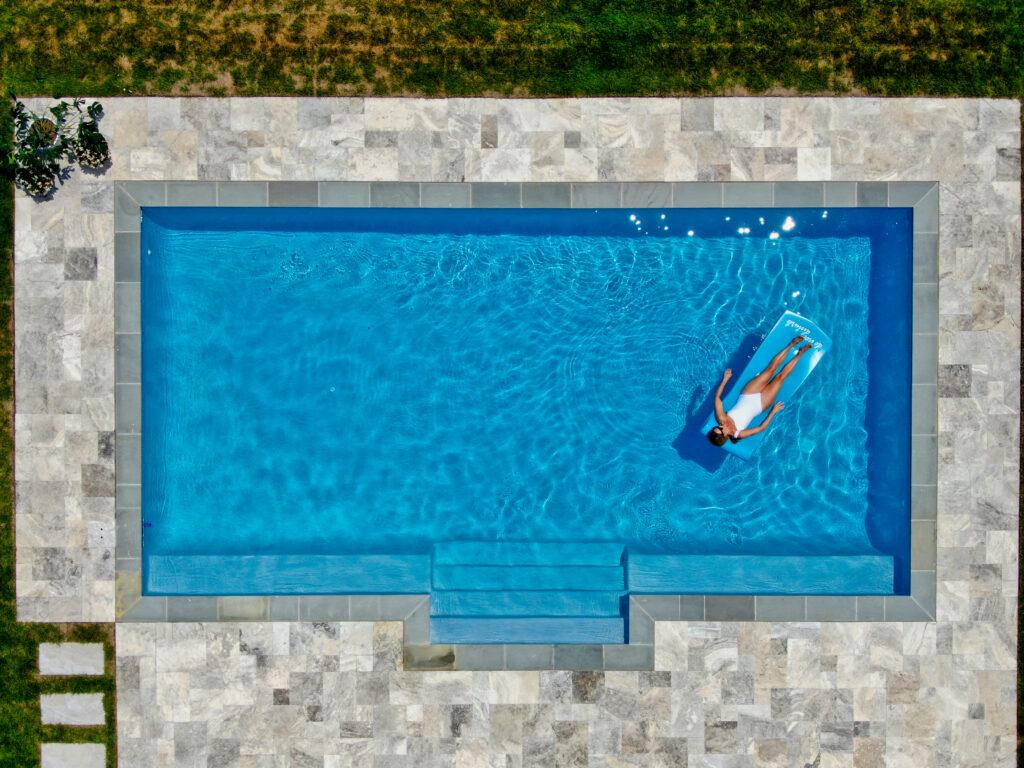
point(922, 197)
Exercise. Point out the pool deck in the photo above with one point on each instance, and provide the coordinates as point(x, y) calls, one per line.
point(725, 693)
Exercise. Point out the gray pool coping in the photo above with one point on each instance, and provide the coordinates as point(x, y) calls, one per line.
point(413, 610)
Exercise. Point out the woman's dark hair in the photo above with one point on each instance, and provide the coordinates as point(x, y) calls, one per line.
point(717, 436)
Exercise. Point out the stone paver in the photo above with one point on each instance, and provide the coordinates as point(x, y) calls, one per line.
point(724, 694)
point(72, 708)
point(74, 756)
point(70, 659)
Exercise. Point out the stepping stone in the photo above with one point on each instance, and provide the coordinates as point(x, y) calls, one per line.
point(71, 659)
point(74, 756)
point(72, 708)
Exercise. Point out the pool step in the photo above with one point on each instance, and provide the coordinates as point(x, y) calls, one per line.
point(515, 592)
point(525, 603)
point(607, 631)
point(550, 577)
point(526, 553)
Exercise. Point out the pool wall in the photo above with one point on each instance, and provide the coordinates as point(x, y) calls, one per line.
point(918, 605)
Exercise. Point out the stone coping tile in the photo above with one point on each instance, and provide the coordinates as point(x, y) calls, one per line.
point(644, 610)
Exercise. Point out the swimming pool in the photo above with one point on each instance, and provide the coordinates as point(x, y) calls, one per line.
point(396, 400)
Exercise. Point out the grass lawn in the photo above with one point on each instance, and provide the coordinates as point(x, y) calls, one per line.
point(458, 47)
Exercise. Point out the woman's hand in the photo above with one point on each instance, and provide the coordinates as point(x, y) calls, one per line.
point(727, 375)
point(777, 407)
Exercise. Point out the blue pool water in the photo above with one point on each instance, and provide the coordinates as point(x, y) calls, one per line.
point(323, 385)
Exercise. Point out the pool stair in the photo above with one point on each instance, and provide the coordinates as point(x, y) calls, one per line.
point(528, 592)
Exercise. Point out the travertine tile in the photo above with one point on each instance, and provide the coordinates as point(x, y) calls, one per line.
point(732, 693)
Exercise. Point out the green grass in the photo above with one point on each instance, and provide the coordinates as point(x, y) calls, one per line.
point(459, 47)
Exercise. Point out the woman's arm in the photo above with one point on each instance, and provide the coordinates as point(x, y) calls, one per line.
point(719, 409)
point(764, 424)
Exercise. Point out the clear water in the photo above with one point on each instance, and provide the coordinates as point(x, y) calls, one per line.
point(345, 388)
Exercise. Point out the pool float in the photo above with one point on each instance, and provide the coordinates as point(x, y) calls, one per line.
point(789, 325)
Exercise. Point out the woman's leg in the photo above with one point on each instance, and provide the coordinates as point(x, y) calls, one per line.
point(771, 389)
point(759, 382)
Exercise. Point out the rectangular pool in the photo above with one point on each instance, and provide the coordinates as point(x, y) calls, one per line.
point(419, 400)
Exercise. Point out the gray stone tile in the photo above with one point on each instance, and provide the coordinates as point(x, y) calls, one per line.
point(659, 607)
point(900, 608)
point(923, 590)
point(128, 409)
point(380, 139)
point(71, 709)
point(641, 626)
point(572, 139)
point(80, 264)
point(146, 193)
point(582, 657)
point(129, 496)
point(525, 657)
point(284, 608)
point(628, 657)
point(489, 132)
point(97, 480)
point(926, 308)
point(922, 545)
point(923, 502)
point(926, 258)
point(444, 195)
point(148, 608)
point(397, 607)
point(71, 659)
point(778, 608)
point(744, 194)
point(128, 529)
point(428, 657)
point(243, 608)
point(344, 194)
point(841, 194)
point(416, 628)
point(192, 193)
point(242, 194)
point(495, 194)
point(831, 608)
point(954, 380)
point(363, 608)
point(691, 607)
point(283, 194)
point(799, 194)
point(128, 458)
point(547, 195)
point(908, 193)
point(126, 257)
point(697, 115)
point(729, 608)
point(924, 415)
point(394, 194)
point(84, 755)
point(923, 460)
point(870, 608)
point(687, 194)
point(192, 609)
point(128, 357)
point(647, 194)
point(872, 194)
point(926, 213)
point(596, 195)
point(128, 308)
point(323, 608)
point(926, 355)
point(479, 657)
point(126, 213)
